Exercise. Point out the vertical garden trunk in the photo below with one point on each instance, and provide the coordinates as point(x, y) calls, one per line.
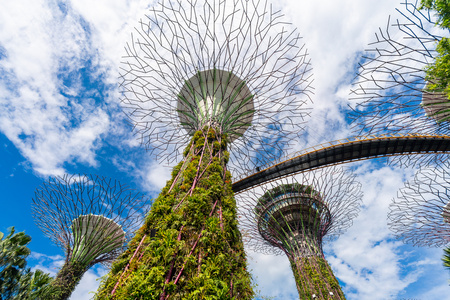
point(314, 276)
point(66, 280)
point(189, 246)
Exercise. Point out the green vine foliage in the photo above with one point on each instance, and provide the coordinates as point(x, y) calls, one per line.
point(438, 73)
point(189, 246)
point(66, 280)
point(314, 276)
point(446, 258)
point(441, 7)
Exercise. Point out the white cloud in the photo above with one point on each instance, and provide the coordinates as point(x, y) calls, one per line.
point(41, 43)
point(40, 39)
point(273, 275)
point(46, 263)
point(52, 264)
point(88, 284)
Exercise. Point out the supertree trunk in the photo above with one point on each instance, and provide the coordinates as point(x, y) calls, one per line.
point(189, 246)
point(295, 217)
point(66, 280)
point(313, 276)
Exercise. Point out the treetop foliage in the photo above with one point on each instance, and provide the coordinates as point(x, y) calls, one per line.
point(16, 280)
point(442, 8)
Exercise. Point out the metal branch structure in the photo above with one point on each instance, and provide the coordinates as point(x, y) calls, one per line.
point(389, 92)
point(420, 215)
point(89, 217)
point(295, 217)
point(231, 65)
point(389, 89)
point(205, 76)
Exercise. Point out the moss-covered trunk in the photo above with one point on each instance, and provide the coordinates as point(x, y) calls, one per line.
point(314, 276)
point(189, 246)
point(66, 280)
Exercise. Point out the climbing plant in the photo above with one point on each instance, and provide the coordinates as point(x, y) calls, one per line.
point(189, 246)
point(438, 72)
point(314, 276)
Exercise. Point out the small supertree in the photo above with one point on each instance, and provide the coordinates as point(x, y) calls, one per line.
point(295, 217)
point(208, 76)
point(90, 218)
point(420, 215)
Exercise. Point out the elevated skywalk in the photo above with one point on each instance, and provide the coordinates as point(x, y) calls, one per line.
point(346, 150)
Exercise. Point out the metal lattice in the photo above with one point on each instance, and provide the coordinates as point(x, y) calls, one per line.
point(420, 215)
point(388, 90)
point(280, 225)
point(87, 216)
point(234, 65)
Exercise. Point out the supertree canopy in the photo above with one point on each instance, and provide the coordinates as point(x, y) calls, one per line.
point(390, 91)
point(205, 75)
point(90, 218)
point(232, 65)
point(420, 215)
point(295, 217)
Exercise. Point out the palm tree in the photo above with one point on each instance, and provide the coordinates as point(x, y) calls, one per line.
point(13, 253)
point(446, 258)
point(33, 285)
point(16, 280)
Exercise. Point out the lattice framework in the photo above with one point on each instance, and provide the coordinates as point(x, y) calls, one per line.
point(388, 90)
point(64, 203)
point(420, 213)
point(179, 39)
point(339, 194)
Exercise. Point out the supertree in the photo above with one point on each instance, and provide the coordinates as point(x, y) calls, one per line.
point(90, 218)
point(220, 74)
point(232, 65)
point(420, 215)
point(390, 91)
point(295, 217)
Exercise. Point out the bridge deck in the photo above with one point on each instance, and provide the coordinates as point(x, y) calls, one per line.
point(358, 148)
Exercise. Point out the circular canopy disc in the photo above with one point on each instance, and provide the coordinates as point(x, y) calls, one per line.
point(218, 99)
point(93, 236)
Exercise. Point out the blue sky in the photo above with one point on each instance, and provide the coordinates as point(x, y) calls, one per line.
point(59, 113)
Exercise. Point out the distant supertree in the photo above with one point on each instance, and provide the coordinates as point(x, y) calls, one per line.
point(420, 215)
point(295, 217)
point(90, 218)
point(389, 91)
point(205, 76)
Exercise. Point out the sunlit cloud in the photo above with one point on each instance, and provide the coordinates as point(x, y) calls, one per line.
point(59, 63)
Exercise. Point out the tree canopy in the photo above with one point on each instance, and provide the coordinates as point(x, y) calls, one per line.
point(442, 8)
point(16, 280)
point(438, 73)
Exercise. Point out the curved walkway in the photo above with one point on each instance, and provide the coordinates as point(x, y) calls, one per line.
point(351, 149)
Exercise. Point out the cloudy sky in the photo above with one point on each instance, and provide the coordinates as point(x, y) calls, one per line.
point(59, 113)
